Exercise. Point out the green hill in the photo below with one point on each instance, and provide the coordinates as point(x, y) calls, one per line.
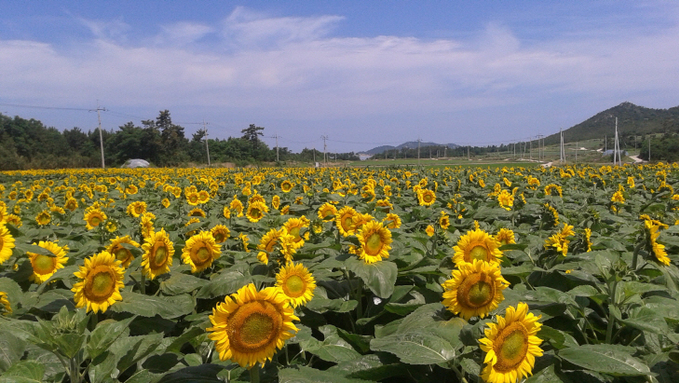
point(632, 120)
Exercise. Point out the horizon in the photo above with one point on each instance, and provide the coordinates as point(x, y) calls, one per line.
point(363, 74)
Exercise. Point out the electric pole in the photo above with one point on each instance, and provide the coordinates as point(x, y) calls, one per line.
point(101, 136)
point(207, 147)
point(418, 151)
point(277, 158)
point(325, 159)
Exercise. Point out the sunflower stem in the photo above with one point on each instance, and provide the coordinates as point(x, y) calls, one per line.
point(611, 317)
point(254, 374)
point(142, 283)
point(635, 256)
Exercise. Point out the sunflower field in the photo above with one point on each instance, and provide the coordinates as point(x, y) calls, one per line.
point(562, 274)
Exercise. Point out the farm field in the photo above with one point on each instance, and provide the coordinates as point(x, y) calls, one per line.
point(439, 273)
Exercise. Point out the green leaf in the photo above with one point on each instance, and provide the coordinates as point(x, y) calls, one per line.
point(646, 319)
point(25, 371)
point(180, 283)
point(205, 373)
point(149, 306)
point(416, 347)
point(11, 349)
point(607, 359)
point(380, 277)
point(105, 334)
point(302, 374)
point(332, 349)
point(323, 305)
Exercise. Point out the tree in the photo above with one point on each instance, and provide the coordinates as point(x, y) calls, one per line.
point(251, 134)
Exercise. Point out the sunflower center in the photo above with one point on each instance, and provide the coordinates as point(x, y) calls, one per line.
point(219, 237)
point(295, 232)
point(374, 244)
point(95, 221)
point(122, 254)
point(159, 258)
point(347, 222)
point(254, 326)
point(255, 213)
point(294, 286)
point(476, 290)
point(43, 264)
point(102, 283)
point(478, 252)
point(202, 255)
point(511, 347)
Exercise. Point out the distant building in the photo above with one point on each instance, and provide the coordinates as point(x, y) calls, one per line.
point(364, 156)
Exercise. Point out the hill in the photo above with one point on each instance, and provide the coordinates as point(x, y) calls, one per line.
point(407, 145)
point(632, 120)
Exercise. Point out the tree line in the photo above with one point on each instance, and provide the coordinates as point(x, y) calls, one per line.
point(28, 144)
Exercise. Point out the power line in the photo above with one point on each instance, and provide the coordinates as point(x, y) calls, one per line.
point(45, 107)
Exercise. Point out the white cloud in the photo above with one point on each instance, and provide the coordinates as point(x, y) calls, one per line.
point(292, 69)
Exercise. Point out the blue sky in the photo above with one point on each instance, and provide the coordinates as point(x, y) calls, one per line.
point(364, 73)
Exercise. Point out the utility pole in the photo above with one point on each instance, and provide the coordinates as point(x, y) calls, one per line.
point(101, 136)
point(325, 159)
point(468, 158)
point(540, 154)
point(277, 158)
point(616, 148)
point(563, 151)
point(207, 147)
point(418, 151)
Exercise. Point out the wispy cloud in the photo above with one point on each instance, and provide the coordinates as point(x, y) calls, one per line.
point(294, 69)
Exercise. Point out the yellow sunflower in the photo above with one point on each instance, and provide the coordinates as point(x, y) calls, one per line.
point(392, 221)
point(475, 289)
point(3, 212)
point(275, 239)
point(43, 218)
point(14, 220)
point(476, 244)
point(146, 224)
point(197, 212)
point(237, 206)
point(511, 345)
point(430, 230)
point(136, 208)
point(101, 280)
point(426, 197)
point(94, 218)
point(506, 200)
point(44, 266)
point(505, 236)
point(121, 253)
point(6, 243)
point(246, 242)
point(158, 252)
point(658, 249)
point(375, 240)
point(203, 196)
point(226, 211)
point(250, 325)
point(444, 220)
point(165, 202)
point(192, 198)
point(327, 212)
point(345, 220)
point(256, 211)
point(275, 202)
point(297, 283)
point(220, 233)
point(200, 251)
point(293, 227)
point(286, 186)
point(5, 306)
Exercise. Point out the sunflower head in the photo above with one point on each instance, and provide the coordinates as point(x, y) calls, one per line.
point(250, 325)
point(297, 283)
point(505, 236)
point(158, 252)
point(101, 278)
point(200, 251)
point(375, 240)
point(475, 289)
point(6, 243)
point(44, 266)
point(256, 211)
point(511, 345)
point(220, 233)
point(123, 254)
point(476, 244)
point(43, 218)
point(94, 218)
point(327, 212)
point(345, 220)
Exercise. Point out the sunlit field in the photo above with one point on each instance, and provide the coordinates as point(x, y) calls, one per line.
point(411, 274)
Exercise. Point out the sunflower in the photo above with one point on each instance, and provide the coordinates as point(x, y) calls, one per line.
point(256, 211)
point(505, 236)
point(200, 251)
point(657, 249)
point(275, 202)
point(131, 189)
point(286, 186)
point(71, 204)
point(426, 197)
point(136, 208)
point(237, 206)
point(327, 212)
point(444, 220)
point(250, 325)
point(511, 345)
point(618, 197)
point(588, 239)
point(101, 281)
point(197, 212)
point(476, 244)
point(297, 283)
point(375, 240)
point(146, 224)
point(392, 221)
point(506, 200)
point(345, 220)
point(4, 304)
point(293, 227)
point(3, 212)
point(430, 231)
point(121, 253)
point(14, 220)
point(553, 190)
point(226, 212)
point(6, 243)
point(93, 218)
point(165, 202)
point(246, 242)
point(220, 233)
point(203, 196)
point(192, 198)
point(43, 218)
point(475, 289)
point(158, 252)
point(44, 266)
point(275, 238)
point(111, 226)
